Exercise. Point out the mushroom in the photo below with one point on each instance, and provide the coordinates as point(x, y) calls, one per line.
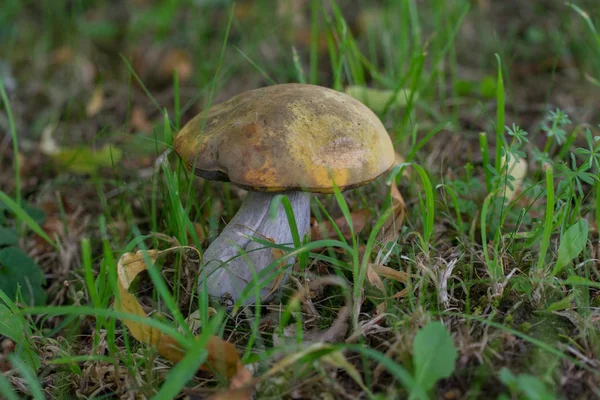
point(288, 138)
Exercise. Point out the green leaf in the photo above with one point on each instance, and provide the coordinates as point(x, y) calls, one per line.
point(572, 243)
point(434, 355)
point(508, 378)
point(18, 272)
point(8, 236)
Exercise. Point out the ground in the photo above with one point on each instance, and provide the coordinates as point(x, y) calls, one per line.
point(483, 282)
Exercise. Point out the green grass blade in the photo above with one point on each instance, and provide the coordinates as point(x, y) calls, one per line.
point(6, 389)
point(15, 143)
point(548, 218)
point(22, 215)
point(500, 107)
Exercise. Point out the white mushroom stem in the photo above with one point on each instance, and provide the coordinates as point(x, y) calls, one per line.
point(231, 262)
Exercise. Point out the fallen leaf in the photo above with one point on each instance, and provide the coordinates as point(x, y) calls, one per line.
point(194, 320)
point(374, 274)
point(367, 20)
point(240, 387)
point(325, 229)
point(95, 103)
point(378, 99)
point(222, 355)
point(62, 55)
point(155, 65)
point(81, 160)
point(139, 120)
point(390, 273)
point(517, 168)
point(84, 69)
point(179, 60)
point(374, 278)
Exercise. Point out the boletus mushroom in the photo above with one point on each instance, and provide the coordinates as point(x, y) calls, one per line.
point(288, 138)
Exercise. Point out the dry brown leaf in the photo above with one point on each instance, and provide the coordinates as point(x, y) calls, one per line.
point(374, 278)
point(66, 56)
point(390, 273)
point(179, 60)
point(240, 387)
point(95, 103)
point(368, 19)
point(222, 355)
point(374, 274)
point(326, 230)
point(381, 308)
point(62, 55)
point(199, 232)
point(139, 120)
point(194, 320)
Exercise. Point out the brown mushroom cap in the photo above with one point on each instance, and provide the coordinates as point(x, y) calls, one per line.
point(287, 137)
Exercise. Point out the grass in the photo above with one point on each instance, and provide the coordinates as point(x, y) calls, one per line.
point(513, 277)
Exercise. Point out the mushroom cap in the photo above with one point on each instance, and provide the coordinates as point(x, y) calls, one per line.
point(287, 137)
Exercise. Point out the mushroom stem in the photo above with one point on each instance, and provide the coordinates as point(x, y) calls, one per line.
point(226, 277)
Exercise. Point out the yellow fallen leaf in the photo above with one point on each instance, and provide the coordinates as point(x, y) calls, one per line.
point(82, 160)
point(95, 103)
point(194, 320)
point(517, 168)
point(222, 355)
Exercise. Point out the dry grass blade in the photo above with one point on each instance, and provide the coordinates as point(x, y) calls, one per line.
point(222, 355)
point(338, 360)
point(337, 330)
point(390, 273)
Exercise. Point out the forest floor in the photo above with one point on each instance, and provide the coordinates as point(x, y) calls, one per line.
point(484, 282)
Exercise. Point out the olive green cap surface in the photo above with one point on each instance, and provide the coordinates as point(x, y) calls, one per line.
point(287, 137)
